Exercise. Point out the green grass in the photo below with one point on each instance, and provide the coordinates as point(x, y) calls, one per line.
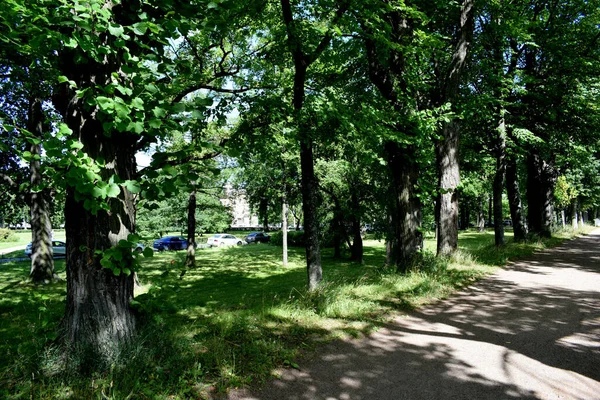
point(227, 323)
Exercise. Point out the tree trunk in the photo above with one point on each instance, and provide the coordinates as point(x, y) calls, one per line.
point(562, 218)
point(311, 227)
point(540, 194)
point(448, 181)
point(581, 219)
point(405, 207)
point(499, 184)
point(190, 257)
point(480, 215)
point(514, 201)
point(284, 231)
point(574, 218)
point(357, 242)
point(98, 318)
point(42, 262)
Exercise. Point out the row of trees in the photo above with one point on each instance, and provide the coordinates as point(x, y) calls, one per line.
point(360, 105)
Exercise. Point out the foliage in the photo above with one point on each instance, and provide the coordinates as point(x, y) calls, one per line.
point(7, 235)
point(294, 238)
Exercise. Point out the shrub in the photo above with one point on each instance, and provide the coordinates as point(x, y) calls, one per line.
point(294, 238)
point(6, 235)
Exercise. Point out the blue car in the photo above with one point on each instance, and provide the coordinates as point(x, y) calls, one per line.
point(170, 243)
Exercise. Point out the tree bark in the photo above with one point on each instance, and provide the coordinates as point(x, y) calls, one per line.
point(190, 256)
point(514, 201)
point(98, 318)
point(448, 181)
point(42, 262)
point(499, 184)
point(480, 215)
point(405, 207)
point(540, 194)
point(574, 217)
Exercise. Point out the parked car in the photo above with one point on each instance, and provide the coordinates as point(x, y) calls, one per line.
point(224, 239)
point(59, 249)
point(257, 237)
point(139, 248)
point(170, 243)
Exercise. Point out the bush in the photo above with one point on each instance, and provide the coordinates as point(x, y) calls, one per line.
point(294, 238)
point(6, 235)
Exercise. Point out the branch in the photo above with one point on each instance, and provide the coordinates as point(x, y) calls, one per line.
point(199, 86)
point(176, 162)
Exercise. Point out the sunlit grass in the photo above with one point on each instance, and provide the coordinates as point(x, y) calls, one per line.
point(231, 320)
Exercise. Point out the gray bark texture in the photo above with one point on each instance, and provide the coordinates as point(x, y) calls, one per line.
point(405, 238)
point(447, 146)
point(42, 262)
point(448, 181)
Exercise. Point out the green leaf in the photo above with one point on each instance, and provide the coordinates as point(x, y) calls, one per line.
point(138, 103)
point(155, 123)
point(76, 145)
point(116, 30)
point(105, 103)
point(140, 28)
point(148, 252)
point(116, 271)
point(132, 186)
point(113, 190)
point(212, 4)
point(64, 130)
point(132, 237)
point(125, 244)
point(159, 112)
point(127, 271)
point(137, 127)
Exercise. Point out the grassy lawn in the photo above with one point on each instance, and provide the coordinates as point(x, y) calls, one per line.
point(229, 322)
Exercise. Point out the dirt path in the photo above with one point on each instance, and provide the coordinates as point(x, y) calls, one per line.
point(531, 331)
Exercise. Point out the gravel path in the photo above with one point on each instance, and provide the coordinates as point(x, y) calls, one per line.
point(531, 331)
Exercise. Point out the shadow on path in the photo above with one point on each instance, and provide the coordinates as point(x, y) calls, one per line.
point(531, 331)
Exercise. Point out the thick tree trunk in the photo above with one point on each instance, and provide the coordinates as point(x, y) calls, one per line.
point(581, 219)
point(514, 201)
point(98, 319)
point(498, 185)
point(284, 231)
point(190, 257)
point(448, 181)
point(311, 227)
point(405, 207)
point(563, 219)
point(42, 262)
point(574, 218)
point(540, 194)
